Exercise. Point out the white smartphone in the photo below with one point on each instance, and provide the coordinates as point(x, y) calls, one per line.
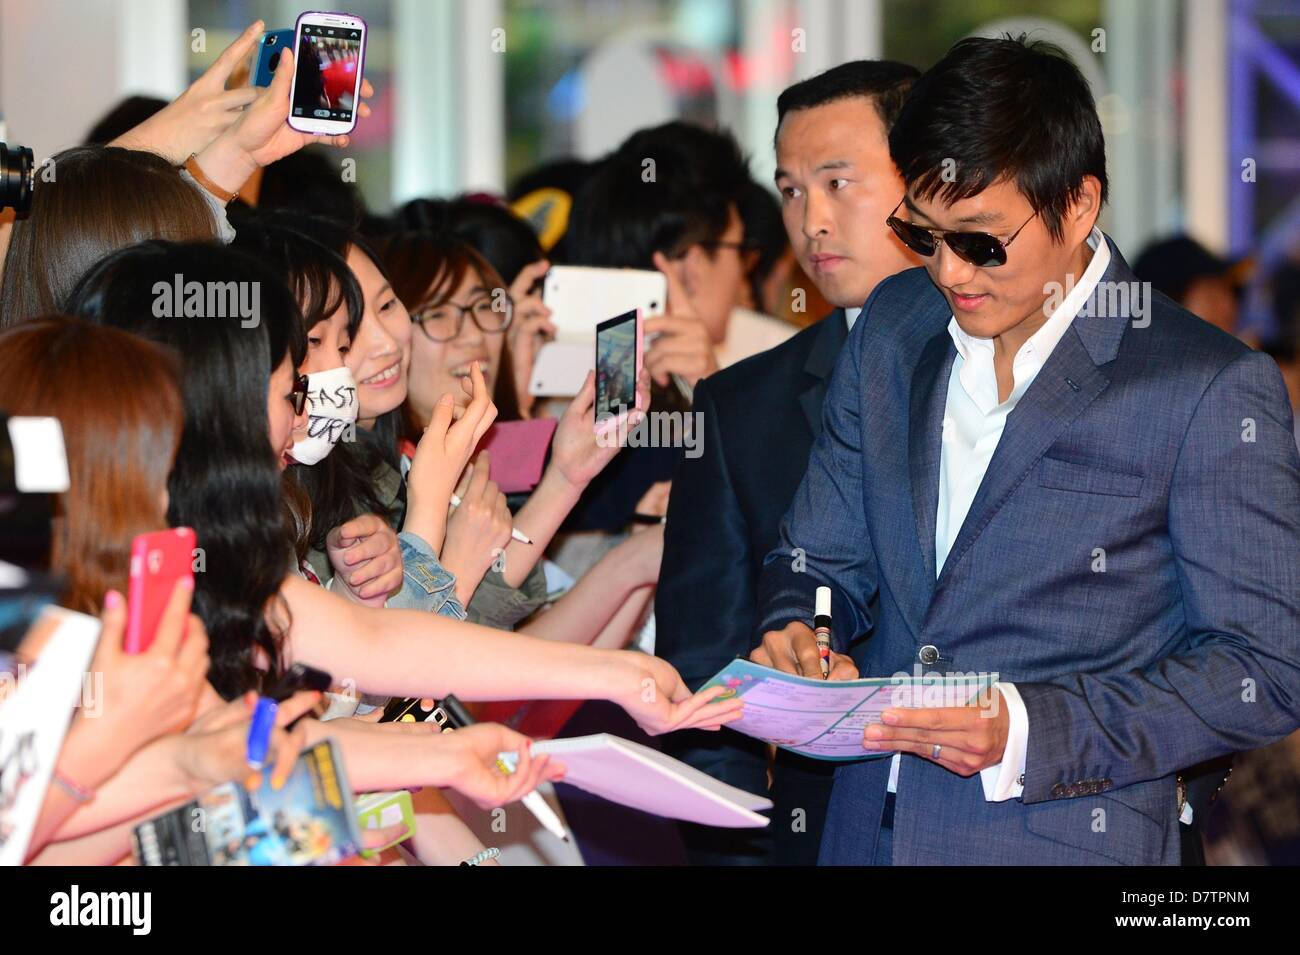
point(580, 298)
point(329, 54)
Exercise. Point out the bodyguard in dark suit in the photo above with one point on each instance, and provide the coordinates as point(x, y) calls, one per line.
point(1041, 470)
point(760, 418)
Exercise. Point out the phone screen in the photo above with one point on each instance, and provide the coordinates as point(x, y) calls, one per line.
point(616, 365)
point(328, 58)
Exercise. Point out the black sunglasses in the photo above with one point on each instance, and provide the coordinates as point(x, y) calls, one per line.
point(977, 248)
point(298, 397)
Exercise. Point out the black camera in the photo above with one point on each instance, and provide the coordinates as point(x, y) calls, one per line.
point(17, 174)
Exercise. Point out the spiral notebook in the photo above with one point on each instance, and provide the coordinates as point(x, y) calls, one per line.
point(638, 776)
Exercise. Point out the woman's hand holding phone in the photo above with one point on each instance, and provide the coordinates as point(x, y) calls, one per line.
point(578, 454)
point(441, 456)
point(145, 695)
point(191, 122)
point(367, 559)
point(261, 135)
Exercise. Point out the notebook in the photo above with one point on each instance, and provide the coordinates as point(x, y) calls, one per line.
point(36, 709)
point(518, 452)
point(638, 776)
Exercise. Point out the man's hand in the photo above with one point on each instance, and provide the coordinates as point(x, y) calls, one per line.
point(683, 346)
point(970, 738)
point(367, 559)
point(793, 649)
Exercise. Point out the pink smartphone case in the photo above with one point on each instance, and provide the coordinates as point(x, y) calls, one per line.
point(602, 427)
point(158, 561)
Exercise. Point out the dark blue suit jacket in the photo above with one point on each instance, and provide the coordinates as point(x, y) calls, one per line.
point(1162, 445)
point(760, 418)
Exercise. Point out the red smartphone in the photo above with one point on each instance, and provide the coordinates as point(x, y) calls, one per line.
point(158, 561)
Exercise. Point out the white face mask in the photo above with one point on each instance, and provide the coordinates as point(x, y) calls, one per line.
point(332, 409)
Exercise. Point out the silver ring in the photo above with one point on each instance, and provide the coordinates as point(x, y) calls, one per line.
point(934, 753)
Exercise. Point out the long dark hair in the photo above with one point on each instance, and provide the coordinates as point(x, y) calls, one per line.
point(225, 483)
point(378, 444)
point(331, 492)
point(103, 198)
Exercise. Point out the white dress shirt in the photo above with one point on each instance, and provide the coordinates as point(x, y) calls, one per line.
point(973, 420)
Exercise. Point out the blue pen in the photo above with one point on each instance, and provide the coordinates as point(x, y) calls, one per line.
point(259, 731)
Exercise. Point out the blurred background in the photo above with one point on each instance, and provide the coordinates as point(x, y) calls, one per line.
point(1190, 89)
point(1200, 100)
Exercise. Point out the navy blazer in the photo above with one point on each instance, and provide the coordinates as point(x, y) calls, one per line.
point(760, 418)
point(1131, 561)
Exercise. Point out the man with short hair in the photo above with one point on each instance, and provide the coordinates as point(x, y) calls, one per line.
point(1030, 465)
point(665, 199)
point(760, 419)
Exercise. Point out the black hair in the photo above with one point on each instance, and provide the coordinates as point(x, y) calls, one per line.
point(374, 447)
point(318, 276)
point(310, 182)
point(567, 175)
point(564, 175)
point(885, 82)
point(1011, 109)
point(129, 113)
point(505, 240)
point(765, 234)
point(663, 190)
point(331, 492)
point(225, 483)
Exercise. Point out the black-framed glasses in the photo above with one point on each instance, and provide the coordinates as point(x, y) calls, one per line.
point(298, 397)
point(442, 323)
point(977, 248)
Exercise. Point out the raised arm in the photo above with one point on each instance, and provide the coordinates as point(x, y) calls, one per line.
point(407, 653)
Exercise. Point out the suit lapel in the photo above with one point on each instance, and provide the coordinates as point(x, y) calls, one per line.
point(1070, 380)
point(820, 363)
point(929, 396)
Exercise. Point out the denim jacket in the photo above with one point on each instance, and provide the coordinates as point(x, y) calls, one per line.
point(426, 584)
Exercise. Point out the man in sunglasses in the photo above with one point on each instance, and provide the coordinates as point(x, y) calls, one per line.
point(760, 419)
point(1041, 471)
